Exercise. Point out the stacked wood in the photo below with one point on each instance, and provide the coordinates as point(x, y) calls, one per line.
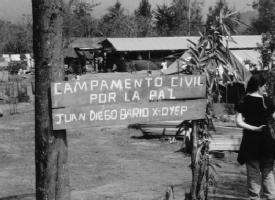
point(225, 139)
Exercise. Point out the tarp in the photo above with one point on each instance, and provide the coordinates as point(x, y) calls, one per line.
point(15, 57)
point(244, 73)
point(7, 57)
point(252, 55)
point(70, 52)
point(179, 65)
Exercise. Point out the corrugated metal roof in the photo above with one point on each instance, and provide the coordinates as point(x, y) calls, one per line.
point(151, 43)
point(173, 43)
point(86, 43)
point(252, 55)
point(245, 42)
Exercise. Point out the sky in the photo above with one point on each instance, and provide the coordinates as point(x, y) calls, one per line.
point(13, 10)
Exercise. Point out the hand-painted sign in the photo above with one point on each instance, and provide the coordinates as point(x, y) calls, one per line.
point(125, 90)
point(120, 114)
point(124, 100)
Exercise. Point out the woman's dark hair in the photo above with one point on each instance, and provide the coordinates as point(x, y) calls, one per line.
point(254, 82)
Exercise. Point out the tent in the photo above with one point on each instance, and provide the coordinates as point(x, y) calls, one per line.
point(179, 65)
point(183, 61)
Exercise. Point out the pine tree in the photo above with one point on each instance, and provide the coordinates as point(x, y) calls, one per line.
point(144, 9)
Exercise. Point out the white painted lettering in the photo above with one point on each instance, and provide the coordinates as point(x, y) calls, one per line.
point(172, 110)
point(94, 83)
point(59, 118)
point(161, 95)
point(183, 109)
point(152, 94)
point(113, 114)
point(68, 88)
point(172, 81)
point(82, 116)
point(128, 83)
point(123, 114)
point(181, 81)
point(136, 96)
point(199, 81)
point(148, 81)
point(69, 119)
point(190, 82)
point(145, 112)
point(155, 111)
point(73, 117)
point(177, 109)
point(92, 115)
point(164, 111)
point(158, 81)
point(102, 98)
point(104, 84)
point(83, 87)
point(93, 97)
point(107, 115)
point(55, 88)
point(137, 83)
point(116, 84)
point(112, 97)
point(171, 93)
point(99, 115)
point(126, 97)
point(135, 112)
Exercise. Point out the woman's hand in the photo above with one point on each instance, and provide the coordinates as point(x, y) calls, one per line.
point(259, 129)
point(240, 123)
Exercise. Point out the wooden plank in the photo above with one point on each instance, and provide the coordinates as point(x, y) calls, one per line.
point(126, 89)
point(224, 148)
point(120, 114)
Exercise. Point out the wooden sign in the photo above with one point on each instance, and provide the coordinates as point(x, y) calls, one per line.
point(120, 114)
point(126, 90)
point(126, 100)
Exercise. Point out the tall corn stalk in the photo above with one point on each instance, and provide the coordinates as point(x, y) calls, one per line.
point(207, 56)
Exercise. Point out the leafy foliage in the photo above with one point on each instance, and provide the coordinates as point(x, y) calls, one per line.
point(266, 19)
point(16, 38)
point(222, 7)
point(207, 56)
point(78, 21)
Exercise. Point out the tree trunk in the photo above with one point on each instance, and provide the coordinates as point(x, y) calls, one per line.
point(51, 149)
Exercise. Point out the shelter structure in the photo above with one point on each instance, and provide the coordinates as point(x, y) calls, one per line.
point(81, 50)
point(160, 48)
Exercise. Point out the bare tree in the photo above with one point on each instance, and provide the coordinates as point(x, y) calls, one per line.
point(51, 151)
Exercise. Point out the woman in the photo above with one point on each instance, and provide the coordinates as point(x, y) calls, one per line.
point(257, 147)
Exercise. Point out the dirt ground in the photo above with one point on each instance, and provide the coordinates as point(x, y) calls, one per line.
point(107, 163)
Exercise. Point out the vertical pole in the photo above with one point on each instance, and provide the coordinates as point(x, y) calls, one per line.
point(194, 165)
point(51, 147)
